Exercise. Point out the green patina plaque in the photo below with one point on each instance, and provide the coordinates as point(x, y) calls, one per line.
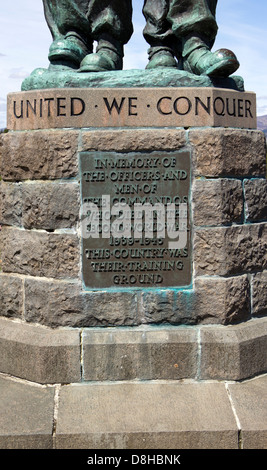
point(119, 191)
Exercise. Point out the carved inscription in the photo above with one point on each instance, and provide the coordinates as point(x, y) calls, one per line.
point(118, 250)
point(146, 107)
point(130, 106)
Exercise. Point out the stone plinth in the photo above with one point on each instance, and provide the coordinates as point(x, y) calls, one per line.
point(146, 416)
point(204, 352)
point(131, 107)
point(133, 323)
point(41, 243)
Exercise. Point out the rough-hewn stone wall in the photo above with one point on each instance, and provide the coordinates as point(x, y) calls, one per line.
point(40, 238)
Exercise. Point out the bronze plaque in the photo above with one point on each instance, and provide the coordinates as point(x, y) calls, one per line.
point(135, 221)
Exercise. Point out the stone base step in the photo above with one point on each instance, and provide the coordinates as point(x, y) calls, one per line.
point(134, 415)
point(206, 352)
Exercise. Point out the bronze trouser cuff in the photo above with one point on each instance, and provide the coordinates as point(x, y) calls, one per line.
point(155, 49)
point(192, 42)
point(108, 42)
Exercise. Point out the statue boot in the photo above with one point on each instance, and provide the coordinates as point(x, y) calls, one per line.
point(199, 60)
point(68, 51)
point(108, 57)
point(161, 56)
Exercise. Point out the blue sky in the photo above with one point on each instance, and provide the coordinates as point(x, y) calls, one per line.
point(25, 40)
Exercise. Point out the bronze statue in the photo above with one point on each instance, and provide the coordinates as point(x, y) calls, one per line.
point(75, 24)
point(180, 33)
point(186, 30)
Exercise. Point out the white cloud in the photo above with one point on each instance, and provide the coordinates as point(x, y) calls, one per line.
point(18, 73)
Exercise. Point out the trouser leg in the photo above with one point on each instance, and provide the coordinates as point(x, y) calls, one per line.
point(111, 17)
point(159, 34)
point(105, 21)
point(111, 25)
point(193, 18)
point(90, 18)
point(189, 28)
point(63, 16)
point(169, 21)
point(158, 29)
point(194, 24)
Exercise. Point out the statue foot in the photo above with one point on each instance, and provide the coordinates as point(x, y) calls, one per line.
point(161, 57)
point(108, 57)
point(69, 50)
point(98, 63)
point(202, 61)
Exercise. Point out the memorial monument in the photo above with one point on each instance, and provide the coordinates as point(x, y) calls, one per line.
point(133, 236)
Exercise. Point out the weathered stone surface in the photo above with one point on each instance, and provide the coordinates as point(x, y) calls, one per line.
point(40, 253)
point(65, 304)
point(146, 354)
point(249, 400)
point(53, 303)
point(222, 251)
point(129, 140)
point(39, 155)
point(230, 250)
point(213, 300)
point(222, 300)
point(10, 203)
point(11, 296)
point(42, 355)
point(234, 352)
point(39, 354)
point(217, 202)
point(50, 206)
point(255, 199)
point(127, 107)
point(166, 415)
point(42, 205)
point(168, 306)
point(139, 415)
point(259, 294)
point(228, 152)
point(26, 416)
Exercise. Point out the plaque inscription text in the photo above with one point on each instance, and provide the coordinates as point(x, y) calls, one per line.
point(119, 248)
